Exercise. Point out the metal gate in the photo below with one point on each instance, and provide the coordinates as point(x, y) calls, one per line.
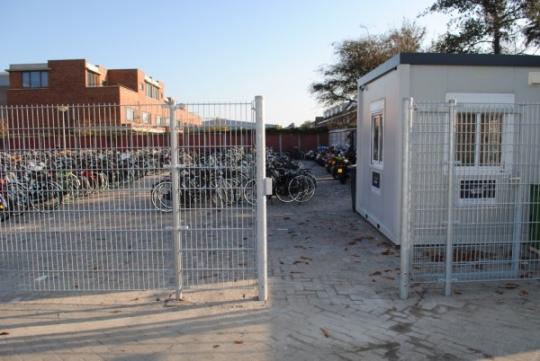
point(91, 197)
point(471, 206)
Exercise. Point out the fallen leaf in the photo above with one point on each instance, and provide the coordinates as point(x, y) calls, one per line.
point(325, 332)
point(524, 293)
point(376, 273)
point(457, 292)
point(4, 333)
point(306, 258)
point(388, 252)
point(116, 311)
point(215, 346)
point(510, 286)
point(238, 342)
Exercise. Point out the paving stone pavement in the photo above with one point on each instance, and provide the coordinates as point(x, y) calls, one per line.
point(334, 296)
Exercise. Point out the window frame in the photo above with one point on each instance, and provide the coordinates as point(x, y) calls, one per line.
point(474, 103)
point(377, 108)
point(92, 75)
point(130, 110)
point(148, 117)
point(43, 79)
point(151, 90)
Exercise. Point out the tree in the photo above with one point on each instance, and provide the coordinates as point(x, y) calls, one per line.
point(306, 125)
point(493, 26)
point(357, 57)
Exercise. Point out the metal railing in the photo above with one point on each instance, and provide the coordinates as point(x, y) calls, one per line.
point(91, 197)
point(471, 206)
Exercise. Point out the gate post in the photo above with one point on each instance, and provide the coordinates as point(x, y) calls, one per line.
point(449, 257)
point(405, 243)
point(175, 189)
point(262, 262)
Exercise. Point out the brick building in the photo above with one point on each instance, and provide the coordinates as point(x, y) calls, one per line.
point(4, 83)
point(93, 95)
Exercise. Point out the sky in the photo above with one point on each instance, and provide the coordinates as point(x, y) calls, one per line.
point(206, 50)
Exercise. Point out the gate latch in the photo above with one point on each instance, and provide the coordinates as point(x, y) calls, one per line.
point(268, 186)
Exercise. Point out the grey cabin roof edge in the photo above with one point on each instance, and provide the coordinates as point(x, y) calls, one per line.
point(449, 59)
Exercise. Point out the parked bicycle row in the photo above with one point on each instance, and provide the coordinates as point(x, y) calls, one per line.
point(43, 180)
point(225, 178)
point(215, 178)
point(337, 161)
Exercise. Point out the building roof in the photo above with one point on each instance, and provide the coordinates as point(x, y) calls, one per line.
point(449, 59)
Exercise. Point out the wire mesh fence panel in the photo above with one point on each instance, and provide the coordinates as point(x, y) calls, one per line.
point(475, 191)
point(217, 217)
point(85, 196)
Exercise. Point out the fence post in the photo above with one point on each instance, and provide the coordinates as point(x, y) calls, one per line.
point(261, 199)
point(175, 189)
point(405, 244)
point(450, 207)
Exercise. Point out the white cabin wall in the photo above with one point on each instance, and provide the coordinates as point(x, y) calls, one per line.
point(381, 208)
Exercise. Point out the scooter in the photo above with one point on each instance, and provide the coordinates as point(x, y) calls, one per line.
point(339, 169)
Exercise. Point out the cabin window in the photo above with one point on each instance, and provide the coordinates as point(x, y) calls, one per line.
point(478, 139)
point(377, 133)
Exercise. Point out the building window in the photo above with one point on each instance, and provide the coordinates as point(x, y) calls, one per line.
point(151, 90)
point(158, 120)
point(478, 139)
point(92, 79)
point(146, 118)
point(35, 79)
point(130, 114)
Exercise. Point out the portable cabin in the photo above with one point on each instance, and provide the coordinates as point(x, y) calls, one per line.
point(491, 193)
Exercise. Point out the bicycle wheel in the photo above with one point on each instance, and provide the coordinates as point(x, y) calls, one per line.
point(47, 196)
point(302, 188)
point(282, 192)
point(161, 196)
point(4, 209)
point(17, 197)
point(72, 185)
point(250, 192)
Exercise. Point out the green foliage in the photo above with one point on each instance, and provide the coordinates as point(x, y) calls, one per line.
point(488, 26)
point(360, 56)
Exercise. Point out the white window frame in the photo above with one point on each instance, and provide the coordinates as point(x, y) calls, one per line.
point(376, 108)
point(146, 118)
point(129, 111)
point(158, 120)
point(464, 173)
